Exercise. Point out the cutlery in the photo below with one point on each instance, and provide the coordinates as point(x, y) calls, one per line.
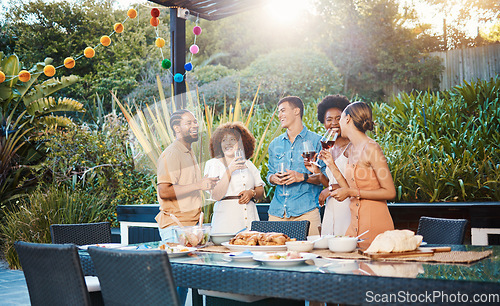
point(357, 237)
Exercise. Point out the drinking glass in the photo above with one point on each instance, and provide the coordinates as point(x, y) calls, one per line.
point(308, 152)
point(240, 154)
point(281, 170)
point(328, 139)
point(211, 173)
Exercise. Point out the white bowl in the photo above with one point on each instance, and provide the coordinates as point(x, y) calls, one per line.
point(320, 244)
point(219, 238)
point(342, 244)
point(299, 246)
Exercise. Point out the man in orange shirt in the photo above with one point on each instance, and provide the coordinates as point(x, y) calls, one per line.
point(179, 177)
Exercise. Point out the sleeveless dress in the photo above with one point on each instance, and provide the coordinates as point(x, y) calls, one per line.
point(366, 214)
point(229, 216)
point(337, 216)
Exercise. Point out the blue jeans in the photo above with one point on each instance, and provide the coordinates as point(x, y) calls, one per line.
point(167, 234)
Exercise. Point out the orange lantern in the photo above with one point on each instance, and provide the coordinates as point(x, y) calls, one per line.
point(24, 76)
point(89, 52)
point(69, 62)
point(49, 70)
point(132, 13)
point(118, 27)
point(105, 40)
point(154, 21)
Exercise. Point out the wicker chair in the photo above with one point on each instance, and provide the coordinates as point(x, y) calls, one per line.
point(442, 231)
point(134, 277)
point(54, 276)
point(293, 229)
point(81, 234)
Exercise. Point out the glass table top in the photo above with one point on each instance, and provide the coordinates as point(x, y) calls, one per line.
point(485, 270)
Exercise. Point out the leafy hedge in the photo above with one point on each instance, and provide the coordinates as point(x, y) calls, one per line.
point(31, 219)
point(304, 73)
point(444, 146)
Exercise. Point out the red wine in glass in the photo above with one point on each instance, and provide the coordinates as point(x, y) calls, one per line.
point(308, 155)
point(328, 139)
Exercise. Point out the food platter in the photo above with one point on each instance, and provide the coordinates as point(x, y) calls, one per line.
point(182, 253)
point(264, 258)
point(254, 248)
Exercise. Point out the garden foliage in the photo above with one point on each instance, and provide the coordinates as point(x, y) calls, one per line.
point(304, 73)
point(53, 204)
point(444, 146)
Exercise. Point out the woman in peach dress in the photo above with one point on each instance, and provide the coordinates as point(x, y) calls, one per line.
point(368, 176)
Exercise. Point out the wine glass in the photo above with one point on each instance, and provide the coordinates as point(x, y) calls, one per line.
point(211, 173)
point(308, 152)
point(240, 154)
point(282, 170)
point(328, 139)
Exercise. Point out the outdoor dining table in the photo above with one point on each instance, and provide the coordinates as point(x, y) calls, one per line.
point(341, 280)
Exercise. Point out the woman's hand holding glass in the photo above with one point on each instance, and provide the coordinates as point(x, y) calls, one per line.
point(236, 164)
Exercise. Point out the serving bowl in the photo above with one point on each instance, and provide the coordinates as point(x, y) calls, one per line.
point(299, 246)
point(321, 243)
point(219, 238)
point(193, 236)
point(342, 244)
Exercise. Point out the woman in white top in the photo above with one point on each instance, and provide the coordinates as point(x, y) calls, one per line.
point(337, 216)
point(240, 182)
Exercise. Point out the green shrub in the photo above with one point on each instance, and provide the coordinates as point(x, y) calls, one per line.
point(30, 221)
point(307, 74)
point(98, 162)
point(443, 146)
point(209, 73)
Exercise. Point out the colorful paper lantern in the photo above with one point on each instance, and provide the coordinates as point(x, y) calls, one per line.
point(49, 70)
point(154, 21)
point(155, 12)
point(178, 77)
point(69, 62)
point(188, 66)
point(2, 76)
point(118, 27)
point(197, 30)
point(166, 64)
point(105, 40)
point(89, 52)
point(194, 49)
point(132, 13)
point(24, 76)
point(160, 42)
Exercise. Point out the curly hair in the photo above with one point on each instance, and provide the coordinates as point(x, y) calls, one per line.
point(237, 129)
point(332, 101)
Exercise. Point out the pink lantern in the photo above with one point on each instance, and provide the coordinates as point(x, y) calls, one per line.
point(194, 49)
point(197, 30)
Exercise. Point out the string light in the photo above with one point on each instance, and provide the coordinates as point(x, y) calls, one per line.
point(105, 40)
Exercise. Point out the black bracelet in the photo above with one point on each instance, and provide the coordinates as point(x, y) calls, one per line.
point(306, 177)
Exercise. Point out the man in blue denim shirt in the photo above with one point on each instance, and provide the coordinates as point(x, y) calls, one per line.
point(296, 197)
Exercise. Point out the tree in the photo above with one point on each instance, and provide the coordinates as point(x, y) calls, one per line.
point(373, 50)
point(65, 28)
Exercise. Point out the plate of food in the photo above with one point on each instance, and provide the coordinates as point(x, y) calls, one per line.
point(258, 242)
point(176, 251)
point(253, 248)
point(284, 259)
